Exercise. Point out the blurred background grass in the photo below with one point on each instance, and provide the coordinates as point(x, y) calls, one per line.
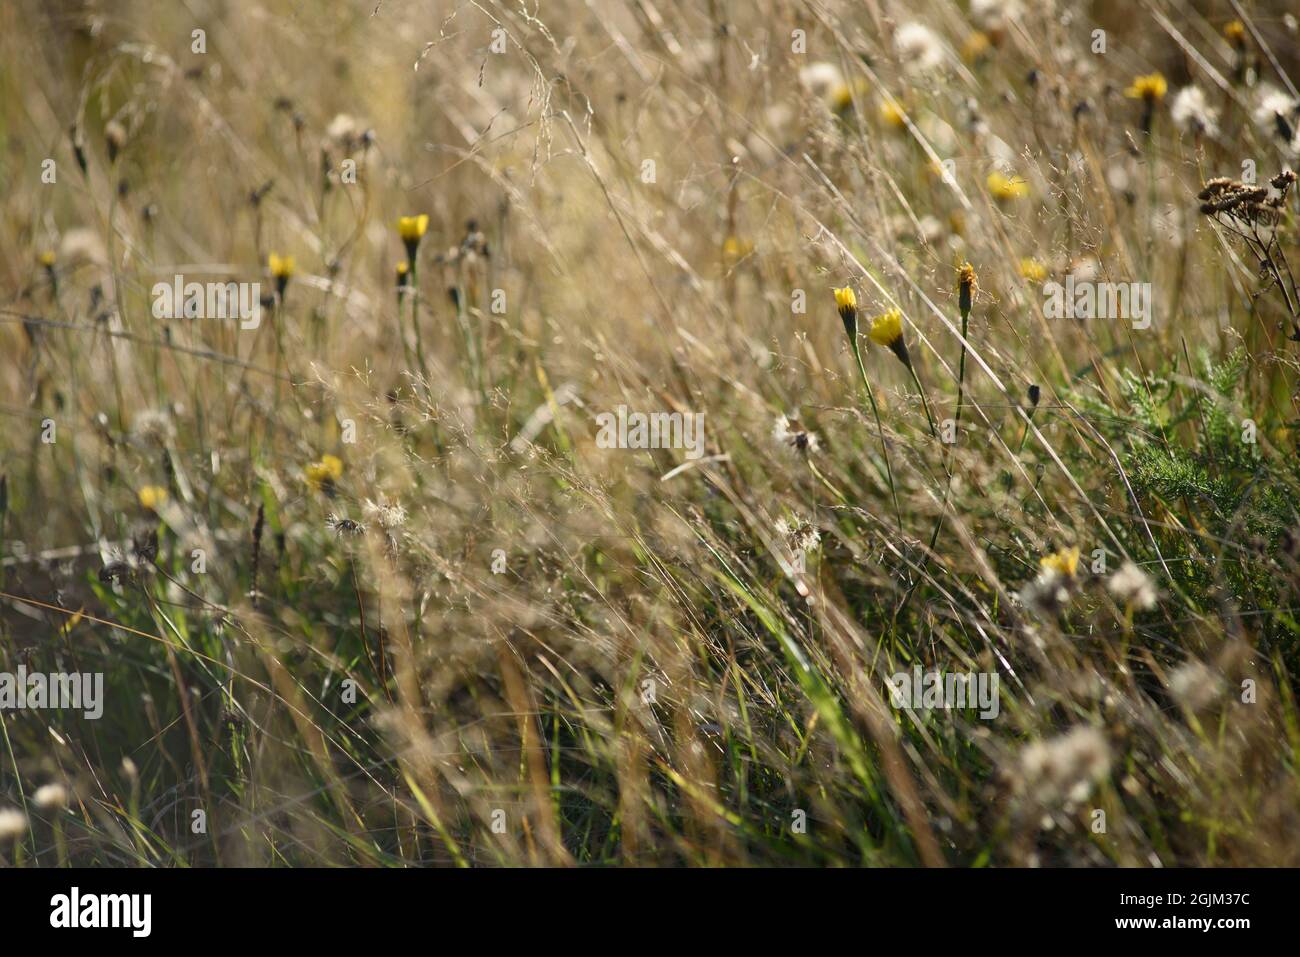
point(654, 668)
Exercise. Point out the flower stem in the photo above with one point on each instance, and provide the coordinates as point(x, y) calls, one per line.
point(415, 321)
point(961, 365)
point(925, 403)
point(884, 449)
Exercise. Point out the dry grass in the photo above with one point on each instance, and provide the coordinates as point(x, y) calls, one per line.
point(646, 672)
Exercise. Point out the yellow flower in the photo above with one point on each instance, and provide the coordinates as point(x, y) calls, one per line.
point(322, 475)
point(403, 274)
point(413, 227)
point(281, 267)
point(1149, 87)
point(846, 301)
point(1033, 270)
point(842, 95)
point(1005, 187)
point(734, 250)
point(841, 98)
point(891, 113)
point(975, 46)
point(47, 259)
point(1064, 563)
point(151, 496)
point(1235, 31)
point(887, 328)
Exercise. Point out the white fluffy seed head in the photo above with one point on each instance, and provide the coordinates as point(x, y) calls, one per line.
point(1192, 112)
point(13, 823)
point(918, 47)
point(51, 797)
point(1132, 586)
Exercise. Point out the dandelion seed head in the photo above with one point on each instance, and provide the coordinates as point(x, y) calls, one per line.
point(153, 425)
point(50, 797)
point(343, 129)
point(821, 78)
point(994, 14)
point(1270, 103)
point(386, 515)
point(799, 533)
point(80, 246)
point(791, 436)
point(1192, 112)
point(1064, 769)
point(13, 823)
point(1194, 685)
point(1132, 586)
point(918, 47)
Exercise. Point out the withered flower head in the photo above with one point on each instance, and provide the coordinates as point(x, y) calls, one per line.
point(115, 139)
point(967, 284)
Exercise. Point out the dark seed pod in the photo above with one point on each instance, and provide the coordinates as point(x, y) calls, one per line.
point(115, 572)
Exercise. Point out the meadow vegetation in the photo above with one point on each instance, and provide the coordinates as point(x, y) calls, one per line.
point(364, 587)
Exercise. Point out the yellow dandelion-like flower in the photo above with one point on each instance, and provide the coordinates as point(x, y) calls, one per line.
point(734, 250)
point(891, 113)
point(322, 475)
point(282, 267)
point(1149, 87)
point(975, 46)
point(1235, 31)
point(47, 258)
point(846, 301)
point(151, 496)
point(1033, 270)
point(413, 228)
point(887, 328)
point(1005, 188)
point(842, 95)
point(1064, 563)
